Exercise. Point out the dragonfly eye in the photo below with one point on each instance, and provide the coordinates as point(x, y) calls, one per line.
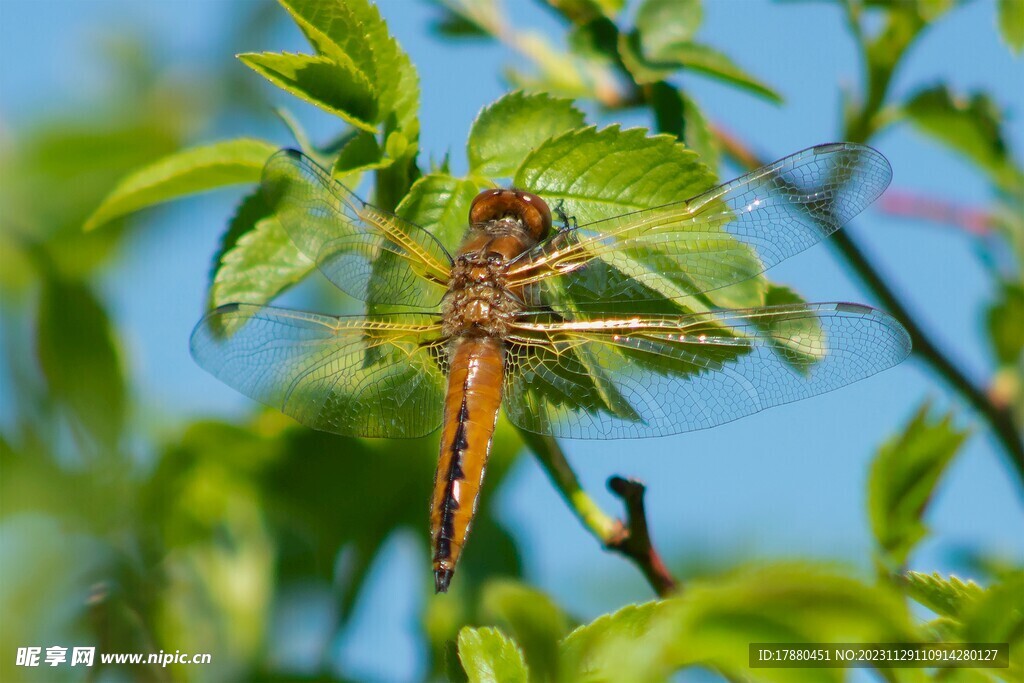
point(491, 205)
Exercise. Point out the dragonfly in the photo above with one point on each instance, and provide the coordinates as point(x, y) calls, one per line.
point(599, 330)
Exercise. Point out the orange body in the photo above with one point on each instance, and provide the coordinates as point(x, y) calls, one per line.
point(477, 310)
point(470, 412)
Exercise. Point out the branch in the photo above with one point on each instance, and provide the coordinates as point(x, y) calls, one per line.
point(974, 221)
point(999, 417)
point(631, 538)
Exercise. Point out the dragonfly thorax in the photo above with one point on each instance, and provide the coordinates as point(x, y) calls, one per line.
point(479, 302)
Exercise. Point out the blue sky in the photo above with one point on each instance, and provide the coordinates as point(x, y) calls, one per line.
point(788, 481)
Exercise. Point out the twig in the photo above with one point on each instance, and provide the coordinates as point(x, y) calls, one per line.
point(735, 149)
point(631, 538)
point(1000, 418)
point(860, 127)
point(634, 539)
point(972, 220)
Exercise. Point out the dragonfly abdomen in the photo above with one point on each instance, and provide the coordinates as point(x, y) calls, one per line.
point(477, 312)
point(470, 413)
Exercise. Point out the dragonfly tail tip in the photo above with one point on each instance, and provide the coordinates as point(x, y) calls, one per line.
point(442, 577)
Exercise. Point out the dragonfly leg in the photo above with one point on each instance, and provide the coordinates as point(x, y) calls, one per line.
point(564, 218)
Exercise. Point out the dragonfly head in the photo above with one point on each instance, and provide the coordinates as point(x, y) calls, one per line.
point(529, 209)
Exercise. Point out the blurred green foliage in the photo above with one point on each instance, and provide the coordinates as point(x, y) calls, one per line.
point(903, 476)
point(198, 540)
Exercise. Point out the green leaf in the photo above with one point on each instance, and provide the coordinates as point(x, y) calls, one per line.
point(360, 154)
point(559, 72)
point(507, 130)
point(183, 173)
point(882, 53)
point(451, 666)
point(795, 355)
point(600, 174)
point(202, 494)
point(577, 369)
point(257, 260)
point(605, 173)
point(16, 268)
point(610, 7)
point(596, 41)
point(583, 11)
point(303, 503)
point(1011, 24)
point(677, 114)
point(452, 25)
point(1005, 320)
point(241, 449)
point(85, 159)
point(998, 617)
point(714, 622)
point(902, 480)
point(710, 62)
point(661, 23)
point(439, 203)
point(252, 209)
point(467, 19)
point(301, 138)
point(667, 103)
point(336, 30)
point(931, 10)
point(972, 127)
point(305, 507)
point(80, 360)
point(34, 481)
point(946, 597)
point(628, 644)
point(684, 55)
point(352, 33)
point(698, 135)
point(337, 89)
point(644, 71)
point(489, 656)
point(396, 145)
point(718, 618)
point(534, 620)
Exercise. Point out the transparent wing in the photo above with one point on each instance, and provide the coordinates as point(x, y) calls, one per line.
point(357, 376)
point(369, 254)
point(657, 375)
point(727, 235)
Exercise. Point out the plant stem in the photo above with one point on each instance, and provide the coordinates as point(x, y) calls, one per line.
point(999, 418)
point(553, 460)
point(974, 221)
point(634, 539)
point(630, 538)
